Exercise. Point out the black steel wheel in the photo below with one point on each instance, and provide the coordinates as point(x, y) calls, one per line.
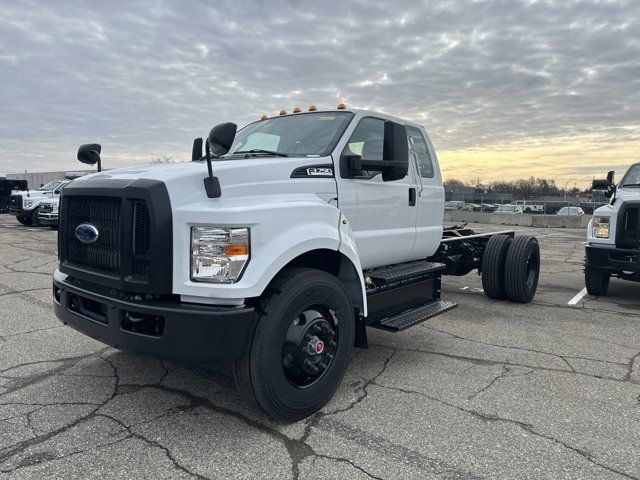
point(300, 347)
point(493, 266)
point(522, 269)
point(596, 280)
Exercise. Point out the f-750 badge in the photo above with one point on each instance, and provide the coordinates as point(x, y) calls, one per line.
point(320, 171)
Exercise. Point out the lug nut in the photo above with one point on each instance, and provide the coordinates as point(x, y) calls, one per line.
point(317, 328)
point(322, 365)
point(309, 364)
point(332, 343)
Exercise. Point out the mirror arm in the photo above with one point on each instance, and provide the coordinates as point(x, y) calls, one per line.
point(211, 183)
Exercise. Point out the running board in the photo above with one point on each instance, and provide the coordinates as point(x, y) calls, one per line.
point(403, 271)
point(410, 318)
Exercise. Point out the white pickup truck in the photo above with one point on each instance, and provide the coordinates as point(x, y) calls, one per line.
point(528, 206)
point(26, 205)
point(274, 251)
point(613, 234)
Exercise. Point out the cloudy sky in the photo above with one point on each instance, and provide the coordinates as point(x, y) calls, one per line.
point(505, 88)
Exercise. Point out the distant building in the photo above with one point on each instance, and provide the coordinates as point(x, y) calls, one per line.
point(36, 179)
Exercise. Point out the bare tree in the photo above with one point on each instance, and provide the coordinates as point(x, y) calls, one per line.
point(163, 159)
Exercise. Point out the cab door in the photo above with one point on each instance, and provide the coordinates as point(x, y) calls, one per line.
point(382, 214)
point(430, 198)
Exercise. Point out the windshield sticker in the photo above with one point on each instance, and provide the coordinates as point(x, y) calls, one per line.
point(327, 118)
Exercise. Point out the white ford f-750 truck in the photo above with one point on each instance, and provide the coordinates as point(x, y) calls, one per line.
point(613, 234)
point(26, 205)
point(274, 251)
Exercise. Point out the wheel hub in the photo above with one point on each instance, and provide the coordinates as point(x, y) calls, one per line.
point(309, 346)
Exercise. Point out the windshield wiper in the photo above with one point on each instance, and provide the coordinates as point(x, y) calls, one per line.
point(260, 150)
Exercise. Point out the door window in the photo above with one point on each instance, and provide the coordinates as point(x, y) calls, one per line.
point(367, 141)
point(419, 149)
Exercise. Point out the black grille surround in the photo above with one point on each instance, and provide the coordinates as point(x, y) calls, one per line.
point(127, 214)
point(628, 230)
point(15, 201)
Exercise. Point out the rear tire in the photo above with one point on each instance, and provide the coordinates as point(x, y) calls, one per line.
point(522, 269)
point(597, 281)
point(493, 266)
point(274, 374)
point(35, 221)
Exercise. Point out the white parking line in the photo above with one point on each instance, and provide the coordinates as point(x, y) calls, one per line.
point(578, 297)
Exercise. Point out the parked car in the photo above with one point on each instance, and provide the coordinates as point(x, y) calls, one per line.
point(488, 207)
point(509, 210)
point(454, 205)
point(528, 206)
point(572, 211)
point(472, 207)
point(48, 212)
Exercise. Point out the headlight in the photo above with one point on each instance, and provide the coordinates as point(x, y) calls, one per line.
point(218, 255)
point(601, 227)
point(28, 203)
point(55, 208)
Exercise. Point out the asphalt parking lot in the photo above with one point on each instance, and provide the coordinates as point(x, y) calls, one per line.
point(491, 390)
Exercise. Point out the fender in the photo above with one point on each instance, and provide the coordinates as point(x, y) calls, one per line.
point(280, 230)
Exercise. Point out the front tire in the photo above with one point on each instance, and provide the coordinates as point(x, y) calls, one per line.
point(300, 347)
point(522, 269)
point(597, 281)
point(24, 220)
point(35, 221)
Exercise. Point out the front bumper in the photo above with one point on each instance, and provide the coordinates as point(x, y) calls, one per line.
point(160, 328)
point(18, 211)
point(615, 259)
point(48, 219)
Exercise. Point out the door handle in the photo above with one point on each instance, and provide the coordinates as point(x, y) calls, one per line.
point(412, 197)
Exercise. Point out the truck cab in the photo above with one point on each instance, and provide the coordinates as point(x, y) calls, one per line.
point(26, 205)
point(274, 250)
point(613, 234)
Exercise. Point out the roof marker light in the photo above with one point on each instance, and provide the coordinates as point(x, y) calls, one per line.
point(312, 108)
point(283, 112)
point(264, 117)
point(297, 110)
point(341, 106)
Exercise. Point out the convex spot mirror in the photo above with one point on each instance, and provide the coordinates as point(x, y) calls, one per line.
point(395, 154)
point(89, 153)
point(221, 138)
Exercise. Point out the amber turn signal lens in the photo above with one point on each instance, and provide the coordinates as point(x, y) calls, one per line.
point(283, 112)
point(264, 117)
point(236, 250)
point(312, 108)
point(297, 110)
point(341, 106)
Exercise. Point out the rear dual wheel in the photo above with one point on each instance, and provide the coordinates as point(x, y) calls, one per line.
point(511, 268)
point(300, 347)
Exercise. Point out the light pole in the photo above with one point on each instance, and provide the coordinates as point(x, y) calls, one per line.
point(565, 190)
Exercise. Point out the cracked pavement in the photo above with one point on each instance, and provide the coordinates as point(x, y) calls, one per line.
point(491, 390)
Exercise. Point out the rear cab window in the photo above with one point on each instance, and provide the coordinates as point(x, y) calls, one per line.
point(419, 150)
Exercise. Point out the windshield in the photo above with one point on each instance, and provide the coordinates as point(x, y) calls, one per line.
point(632, 177)
point(304, 134)
point(49, 187)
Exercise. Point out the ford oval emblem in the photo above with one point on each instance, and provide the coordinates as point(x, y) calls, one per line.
point(87, 233)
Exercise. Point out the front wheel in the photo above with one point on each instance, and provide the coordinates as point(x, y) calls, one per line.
point(596, 280)
point(24, 220)
point(35, 220)
point(300, 347)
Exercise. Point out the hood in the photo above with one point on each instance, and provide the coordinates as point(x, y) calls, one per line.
point(255, 176)
point(33, 194)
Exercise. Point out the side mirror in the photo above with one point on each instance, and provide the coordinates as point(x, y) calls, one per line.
point(89, 153)
point(221, 138)
point(196, 151)
point(395, 151)
point(395, 154)
point(607, 185)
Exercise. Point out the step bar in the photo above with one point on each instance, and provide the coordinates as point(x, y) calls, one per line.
point(412, 317)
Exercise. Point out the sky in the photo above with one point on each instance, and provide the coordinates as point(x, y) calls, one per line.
point(506, 89)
